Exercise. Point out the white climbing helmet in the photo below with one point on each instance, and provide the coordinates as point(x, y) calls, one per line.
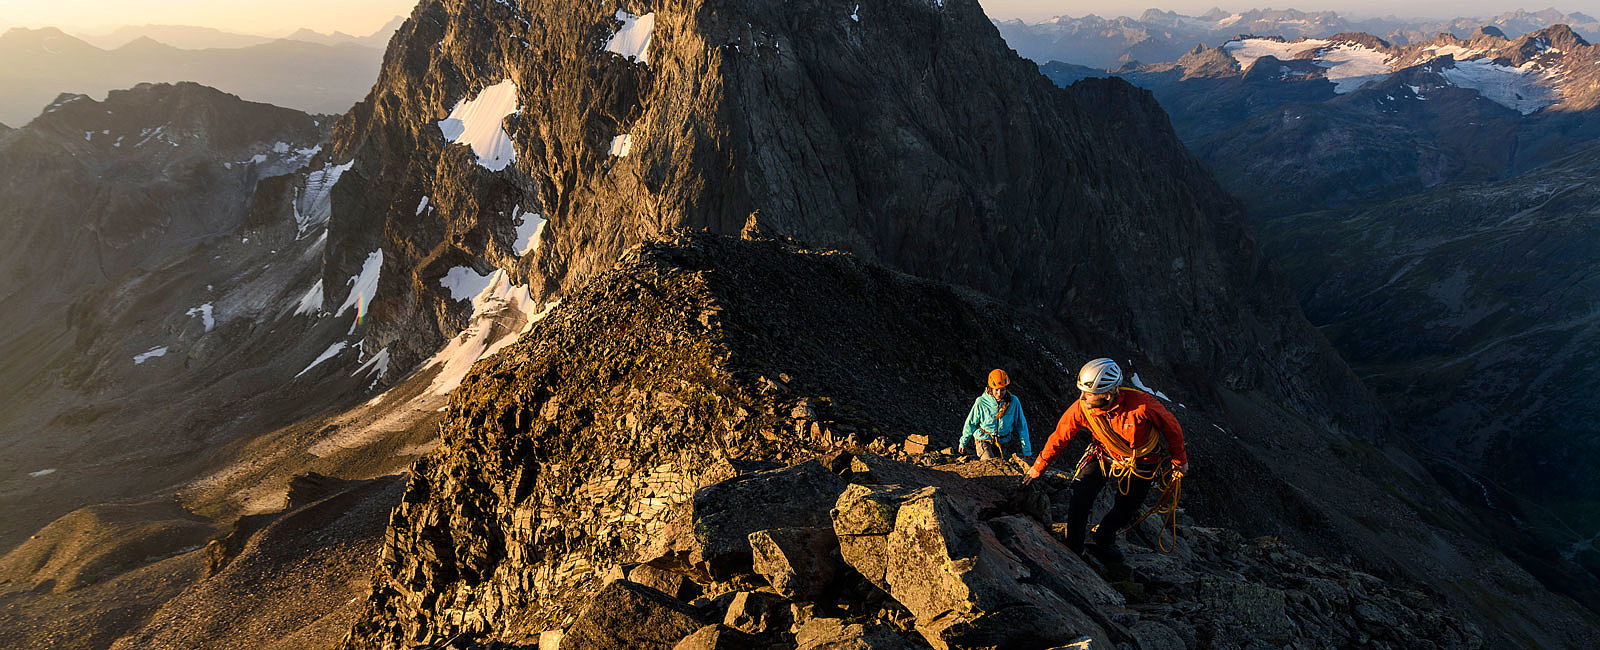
point(1099, 376)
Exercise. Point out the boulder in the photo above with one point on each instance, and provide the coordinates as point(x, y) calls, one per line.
point(716, 637)
point(834, 634)
point(670, 583)
point(757, 613)
point(625, 615)
point(863, 517)
point(1053, 565)
point(724, 514)
point(965, 588)
point(798, 562)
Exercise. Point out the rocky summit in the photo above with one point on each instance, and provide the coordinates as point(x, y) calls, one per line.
point(743, 433)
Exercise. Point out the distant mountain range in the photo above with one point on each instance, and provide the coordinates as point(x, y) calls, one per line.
point(1331, 122)
point(190, 37)
point(1164, 35)
point(37, 65)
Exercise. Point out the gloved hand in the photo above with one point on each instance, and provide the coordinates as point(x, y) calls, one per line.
point(1180, 468)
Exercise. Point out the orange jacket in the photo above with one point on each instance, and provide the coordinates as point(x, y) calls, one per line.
point(1133, 418)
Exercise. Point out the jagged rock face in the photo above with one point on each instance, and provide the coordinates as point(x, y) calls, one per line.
point(701, 360)
point(1079, 202)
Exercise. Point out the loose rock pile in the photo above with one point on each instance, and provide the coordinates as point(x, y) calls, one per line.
point(923, 552)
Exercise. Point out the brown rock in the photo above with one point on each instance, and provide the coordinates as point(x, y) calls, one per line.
point(834, 634)
point(716, 637)
point(965, 587)
point(726, 513)
point(670, 583)
point(625, 616)
point(757, 613)
point(798, 562)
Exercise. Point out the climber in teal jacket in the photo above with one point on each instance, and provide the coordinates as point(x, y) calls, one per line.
point(996, 418)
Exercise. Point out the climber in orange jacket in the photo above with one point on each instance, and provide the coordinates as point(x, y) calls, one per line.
point(1124, 424)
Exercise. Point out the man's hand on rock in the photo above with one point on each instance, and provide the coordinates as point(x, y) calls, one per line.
point(1031, 476)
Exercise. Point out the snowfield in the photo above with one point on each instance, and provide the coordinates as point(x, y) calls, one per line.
point(633, 40)
point(1518, 89)
point(1352, 66)
point(479, 123)
point(1248, 50)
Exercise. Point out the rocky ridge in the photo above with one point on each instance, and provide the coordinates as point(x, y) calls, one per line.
point(647, 419)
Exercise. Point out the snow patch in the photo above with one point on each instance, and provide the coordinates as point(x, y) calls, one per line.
point(159, 351)
point(327, 354)
point(1515, 88)
point(501, 314)
point(464, 282)
point(311, 303)
point(1137, 383)
point(1353, 66)
point(621, 145)
point(530, 225)
point(855, 14)
point(204, 312)
point(1248, 50)
point(280, 147)
point(42, 472)
point(361, 288)
point(377, 366)
point(478, 123)
point(633, 40)
point(422, 206)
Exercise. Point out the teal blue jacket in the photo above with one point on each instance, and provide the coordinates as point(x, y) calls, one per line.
point(981, 424)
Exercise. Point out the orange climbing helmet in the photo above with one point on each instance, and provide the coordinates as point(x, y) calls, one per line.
point(998, 378)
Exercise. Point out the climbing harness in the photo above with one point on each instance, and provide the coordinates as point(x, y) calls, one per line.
point(1119, 460)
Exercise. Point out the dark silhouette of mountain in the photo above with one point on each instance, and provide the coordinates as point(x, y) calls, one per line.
point(307, 76)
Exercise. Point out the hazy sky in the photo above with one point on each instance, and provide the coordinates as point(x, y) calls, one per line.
point(266, 17)
point(361, 17)
point(1033, 9)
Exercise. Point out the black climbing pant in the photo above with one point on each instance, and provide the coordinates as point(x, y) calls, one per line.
point(1123, 509)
